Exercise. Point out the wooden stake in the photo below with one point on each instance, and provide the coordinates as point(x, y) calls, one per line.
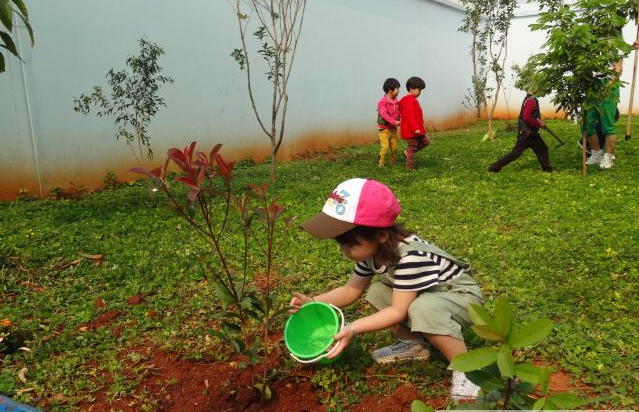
point(584, 169)
point(632, 87)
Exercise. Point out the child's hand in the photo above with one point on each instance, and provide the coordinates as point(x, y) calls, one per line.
point(343, 338)
point(298, 300)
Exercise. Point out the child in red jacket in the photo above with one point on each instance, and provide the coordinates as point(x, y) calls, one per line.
point(412, 126)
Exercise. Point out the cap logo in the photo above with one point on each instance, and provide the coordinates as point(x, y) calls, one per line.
point(339, 201)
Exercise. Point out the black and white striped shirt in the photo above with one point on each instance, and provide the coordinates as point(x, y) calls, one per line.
point(415, 271)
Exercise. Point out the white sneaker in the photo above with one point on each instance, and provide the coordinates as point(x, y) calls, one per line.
point(607, 162)
point(401, 351)
point(462, 389)
point(596, 157)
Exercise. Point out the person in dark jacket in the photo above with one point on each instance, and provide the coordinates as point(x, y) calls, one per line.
point(528, 137)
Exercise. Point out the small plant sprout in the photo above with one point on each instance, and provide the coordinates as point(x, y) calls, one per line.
point(505, 382)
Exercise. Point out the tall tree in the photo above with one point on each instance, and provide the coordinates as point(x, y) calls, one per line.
point(583, 44)
point(9, 8)
point(475, 95)
point(489, 22)
point(278, 29)
point(134, 99)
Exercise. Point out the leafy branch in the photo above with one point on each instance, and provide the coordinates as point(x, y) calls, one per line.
point(134, 99)
point(279, 26)
point(9, 8)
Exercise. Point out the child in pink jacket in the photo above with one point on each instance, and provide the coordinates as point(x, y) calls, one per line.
point(388, 120)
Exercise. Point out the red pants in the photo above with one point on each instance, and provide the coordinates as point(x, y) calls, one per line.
point(415, 144)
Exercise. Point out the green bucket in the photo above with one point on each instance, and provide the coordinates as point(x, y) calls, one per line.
point(309, 332)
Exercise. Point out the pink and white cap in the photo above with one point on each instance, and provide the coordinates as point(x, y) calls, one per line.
point(354, 202)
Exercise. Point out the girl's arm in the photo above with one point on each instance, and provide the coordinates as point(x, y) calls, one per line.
point(340, 296)
point(381, 108)
point(347, 294)
point(389, 316)
point(383, 319)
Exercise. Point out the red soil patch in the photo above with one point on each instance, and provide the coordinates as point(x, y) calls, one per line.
point(153, 314)
point(182, 386)
point(168, 383)
point(104, 319)
point(135, 299)
point(560, 381)
point(328, 153)
point(399, 401)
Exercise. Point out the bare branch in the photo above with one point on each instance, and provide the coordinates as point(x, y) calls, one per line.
point(279, 33)
point(243, 27)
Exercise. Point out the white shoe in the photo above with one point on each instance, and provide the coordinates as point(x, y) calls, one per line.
point(596, 157)
point(607, 162)
point(462, 389)
point(401, 351)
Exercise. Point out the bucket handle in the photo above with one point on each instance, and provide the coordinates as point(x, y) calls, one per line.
point(330, 352)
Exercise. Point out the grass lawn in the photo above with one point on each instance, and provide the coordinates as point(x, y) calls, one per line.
point(558, 245)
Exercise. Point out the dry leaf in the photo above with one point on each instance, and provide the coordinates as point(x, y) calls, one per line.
point(33, 286)
point(24, 348)
point(206, 383)
point(92, 257)
point(25, 390)
point(83, 329)
point(22, 375)
point(97, 259)
point(58, 397)
point(67, 265)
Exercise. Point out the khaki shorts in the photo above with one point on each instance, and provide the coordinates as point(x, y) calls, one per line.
point(439, 310)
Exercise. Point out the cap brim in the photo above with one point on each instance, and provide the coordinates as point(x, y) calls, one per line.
point(325, 227)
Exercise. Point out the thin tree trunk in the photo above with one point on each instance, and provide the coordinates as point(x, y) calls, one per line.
point(475, 75)
point(273, 165)
point(584, 169)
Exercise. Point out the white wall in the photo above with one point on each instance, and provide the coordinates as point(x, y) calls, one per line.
point(346, 51)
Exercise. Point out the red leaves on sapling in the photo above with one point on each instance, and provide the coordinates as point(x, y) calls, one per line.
point(225, 169)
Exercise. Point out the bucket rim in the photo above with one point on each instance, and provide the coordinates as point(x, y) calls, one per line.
point(319, 351)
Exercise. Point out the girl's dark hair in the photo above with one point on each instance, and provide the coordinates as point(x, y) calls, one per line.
point(415, 83)
point(387, 252)
point(391, 84)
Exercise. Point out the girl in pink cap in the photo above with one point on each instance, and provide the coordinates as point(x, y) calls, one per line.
point(421, 293)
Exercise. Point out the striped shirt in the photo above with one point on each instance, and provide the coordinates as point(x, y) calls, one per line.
point(415, 271)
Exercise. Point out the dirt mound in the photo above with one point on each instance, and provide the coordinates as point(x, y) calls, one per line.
point(183, 386)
